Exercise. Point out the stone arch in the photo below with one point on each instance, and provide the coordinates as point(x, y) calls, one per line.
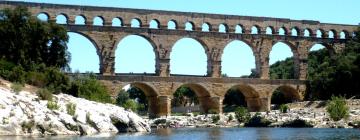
point(344, 34)
point(332, 34)
point(148, 39)
point(330, 48)
point(39, 16)
point(189, 26)
point(295, 57)
point(202, 94)
point(295, 31)
point(202, 43)
point(320, 33)
point(151, 94)
point(117, 22)
point(93, 42)
point(255, 29)
point(270, 30)
point(135, 23)
point(283, 31)
point(252, 97)
point(62, 15)
point(172, 23)
point(80, 17)
point(290, 94)
point(223, 28)
point(239, 29)
point(99, 19)
point(206, 27)
point(241, 42)
point(154, 24)
point(307, 32)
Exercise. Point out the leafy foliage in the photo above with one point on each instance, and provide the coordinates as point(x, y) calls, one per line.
point(71, 108)
point(16, 87)
point(131, 104)
point(337, 108)
point(45, 94)
point(233, 98)
point(284, 108)
point(257, 121)
point(215, 118)
point(282, 69)
point(184, 96)
point(297, 123)
point(88, 87)
point(242, 114)
point(25, 40)
point(328, 73)
point(52, 105)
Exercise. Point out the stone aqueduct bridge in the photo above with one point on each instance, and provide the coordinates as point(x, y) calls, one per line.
point(210, 89)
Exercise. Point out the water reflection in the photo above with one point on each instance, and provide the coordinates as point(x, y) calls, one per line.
point(217, 134)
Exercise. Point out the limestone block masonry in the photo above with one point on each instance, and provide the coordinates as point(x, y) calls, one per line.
point(300, 36)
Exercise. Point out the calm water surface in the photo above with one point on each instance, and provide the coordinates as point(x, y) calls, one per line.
point(223, 134)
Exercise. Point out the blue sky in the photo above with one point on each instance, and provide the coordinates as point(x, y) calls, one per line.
point(237, 59)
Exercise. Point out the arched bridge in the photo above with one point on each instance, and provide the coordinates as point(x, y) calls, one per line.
point(260, 33)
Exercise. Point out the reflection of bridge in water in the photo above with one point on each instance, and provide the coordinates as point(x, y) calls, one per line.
point(299, 35)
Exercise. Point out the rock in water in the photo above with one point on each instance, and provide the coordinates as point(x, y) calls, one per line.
point(26, 114)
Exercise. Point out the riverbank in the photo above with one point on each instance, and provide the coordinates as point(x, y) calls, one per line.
point(23, 113)
point(313, 112)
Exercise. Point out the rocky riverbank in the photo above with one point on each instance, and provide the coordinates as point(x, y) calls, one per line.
point(24, 113)
point(312, 112)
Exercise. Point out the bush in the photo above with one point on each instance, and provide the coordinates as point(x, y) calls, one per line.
point(231, 117)
point(122, 97)
point(52, 105)
point(27, 126)
point(131, 104)
point(215, 118)
point(242, 114)
point(257, 121)
point(88, 87)
point(337, 108)
point(71, 108)
point(212, 111)
point(298, 123)
point(45, 94)
point(284, 108)
point(16, 87)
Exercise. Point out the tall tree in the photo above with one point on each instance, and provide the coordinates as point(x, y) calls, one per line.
point(25, 40)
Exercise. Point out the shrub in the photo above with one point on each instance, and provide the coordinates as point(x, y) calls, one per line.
point(131, 104)
point(231, 117)
point(215, 118)
point(45, 94)
point(242, 114)
point(122, 97)
point(27, 126)
point(16, 87)
point(212, 111)
point(71, 108)
point(52, 105)
point(337, 108)
point(284, 108)
point(17, 75)
point(298, 123)
point(257, 121)
point(90, 88)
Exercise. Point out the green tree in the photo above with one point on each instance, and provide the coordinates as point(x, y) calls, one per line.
point(122, 97)
point(138, 95)
point(88, 87)
point(184, 96)
point(25, 40)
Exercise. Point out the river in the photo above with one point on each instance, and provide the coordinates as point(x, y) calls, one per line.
point(221, 134)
